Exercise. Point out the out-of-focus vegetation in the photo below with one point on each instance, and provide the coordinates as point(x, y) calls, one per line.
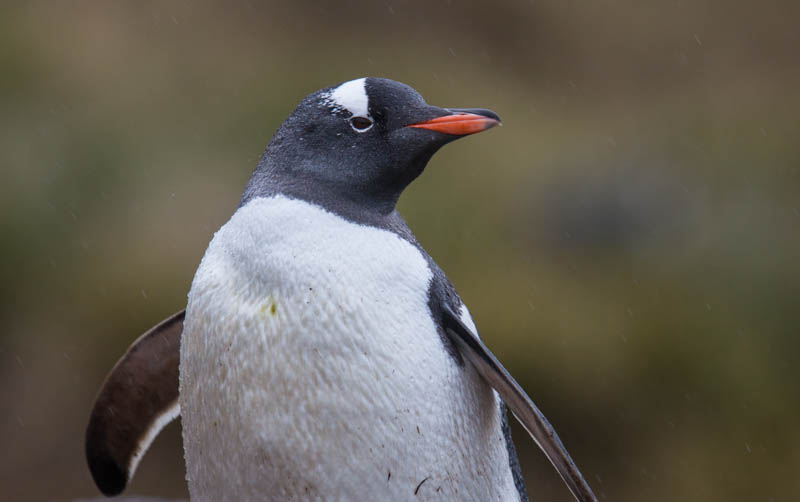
point(628, 242)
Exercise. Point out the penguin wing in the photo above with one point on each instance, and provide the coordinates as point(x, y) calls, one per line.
point(533, 420)
point(138, 398)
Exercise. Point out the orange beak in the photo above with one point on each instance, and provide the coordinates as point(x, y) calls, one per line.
point(459, 124)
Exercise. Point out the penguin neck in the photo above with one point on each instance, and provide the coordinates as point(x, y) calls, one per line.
point(358, 204)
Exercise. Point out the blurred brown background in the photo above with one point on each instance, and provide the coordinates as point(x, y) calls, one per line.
point(628, 242)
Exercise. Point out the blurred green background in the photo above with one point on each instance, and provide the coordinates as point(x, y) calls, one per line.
point(628, 242)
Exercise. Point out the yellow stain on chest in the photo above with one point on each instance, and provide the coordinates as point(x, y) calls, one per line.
point(269, 308)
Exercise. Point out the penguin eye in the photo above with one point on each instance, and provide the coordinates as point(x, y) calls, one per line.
point(360, 124)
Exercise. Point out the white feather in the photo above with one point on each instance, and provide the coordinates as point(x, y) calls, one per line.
point(161, 421)
point(311, 369)
point(350, 96)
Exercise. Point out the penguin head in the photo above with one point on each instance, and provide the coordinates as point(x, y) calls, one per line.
point(361, 142)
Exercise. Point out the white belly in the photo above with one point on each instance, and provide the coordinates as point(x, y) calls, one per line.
point(311, 369)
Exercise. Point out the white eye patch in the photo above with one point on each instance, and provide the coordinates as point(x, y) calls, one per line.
point(350, 96)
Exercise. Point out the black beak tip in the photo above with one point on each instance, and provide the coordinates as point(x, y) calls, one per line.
point(478, 111)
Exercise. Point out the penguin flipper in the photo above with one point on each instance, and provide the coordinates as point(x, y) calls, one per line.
point(523, 408)
point(138, 398)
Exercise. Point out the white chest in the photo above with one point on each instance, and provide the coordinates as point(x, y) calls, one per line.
point(311, 369)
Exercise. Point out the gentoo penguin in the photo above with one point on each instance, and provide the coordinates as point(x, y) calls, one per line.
point(323, 354)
